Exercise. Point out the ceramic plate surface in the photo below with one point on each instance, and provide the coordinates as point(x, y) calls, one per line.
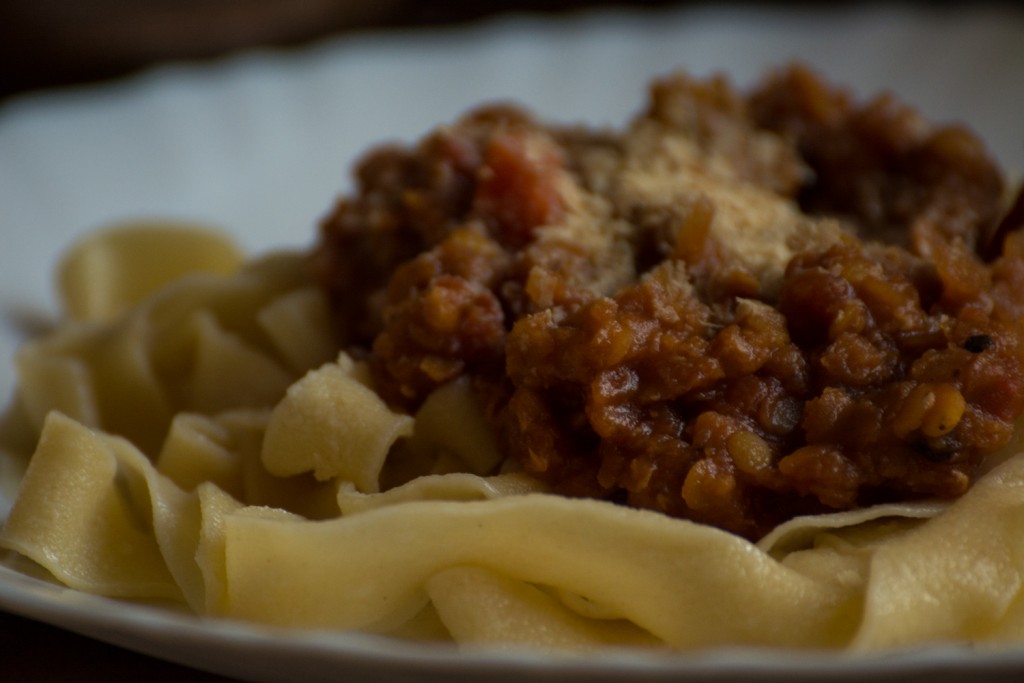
point(261, 144)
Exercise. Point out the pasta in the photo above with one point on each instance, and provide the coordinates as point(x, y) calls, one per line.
point(208, 516)
point(201, 434)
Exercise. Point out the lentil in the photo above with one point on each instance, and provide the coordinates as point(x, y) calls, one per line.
point(742, 308)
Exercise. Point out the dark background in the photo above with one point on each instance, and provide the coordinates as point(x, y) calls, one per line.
point(50, 43)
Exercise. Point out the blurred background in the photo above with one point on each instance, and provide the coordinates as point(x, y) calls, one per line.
point(47, 43)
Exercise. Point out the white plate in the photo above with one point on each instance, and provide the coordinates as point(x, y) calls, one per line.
point(262, 143)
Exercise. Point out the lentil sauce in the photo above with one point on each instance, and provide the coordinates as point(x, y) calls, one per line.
point(743, 307)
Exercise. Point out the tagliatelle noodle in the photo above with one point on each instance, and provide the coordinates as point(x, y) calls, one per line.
point(452, 486)
point(966, 570)
point(302, 309)
point(197, 345)
point(186, 508)
point(200, 449)
point(224, 450)
point(305, 434)
point(229, 373)
point(87, 517)
point(423, 530)
point(483, 606)
point(472, 444)
point(283, 569)
point(117, 267)
point(688, 585)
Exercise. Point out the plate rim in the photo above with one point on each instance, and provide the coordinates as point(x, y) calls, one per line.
point(147, 627)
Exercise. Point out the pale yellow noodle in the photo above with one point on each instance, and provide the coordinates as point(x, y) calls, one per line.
point(204, 442)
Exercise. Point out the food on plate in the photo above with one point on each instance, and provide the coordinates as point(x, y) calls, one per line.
point(651, 318)
point(746, 372)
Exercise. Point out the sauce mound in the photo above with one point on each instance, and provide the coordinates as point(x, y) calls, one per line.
point(744, 307)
